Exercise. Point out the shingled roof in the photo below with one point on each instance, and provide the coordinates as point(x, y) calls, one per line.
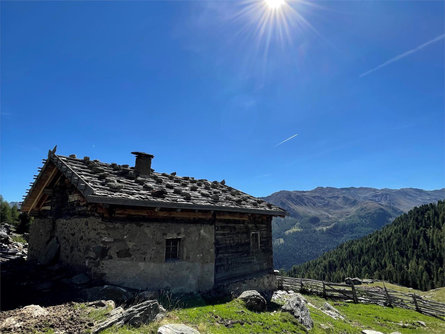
point(121, 185)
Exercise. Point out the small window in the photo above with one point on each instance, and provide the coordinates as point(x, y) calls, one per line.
point(254, 241)
point(172, 249)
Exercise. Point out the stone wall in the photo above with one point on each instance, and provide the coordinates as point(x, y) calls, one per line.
point(132, 254)
point(41, 231)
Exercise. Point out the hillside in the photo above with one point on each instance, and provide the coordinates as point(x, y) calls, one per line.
point(232, 317)
point(321, 219)
point(410, 252)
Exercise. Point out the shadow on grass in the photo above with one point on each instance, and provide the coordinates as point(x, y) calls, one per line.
point(172, 301)
point(23, 283)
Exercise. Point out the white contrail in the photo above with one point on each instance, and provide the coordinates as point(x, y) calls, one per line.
point(403, 55)
point(286, 139)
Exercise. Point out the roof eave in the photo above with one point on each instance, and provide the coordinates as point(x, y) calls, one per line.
point(169, 205)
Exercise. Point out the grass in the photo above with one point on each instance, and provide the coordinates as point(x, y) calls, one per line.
point(229, 317)
point(436, 294)
point(18, 238)
point(233, 317)
point(100, 314)
point(383, 319)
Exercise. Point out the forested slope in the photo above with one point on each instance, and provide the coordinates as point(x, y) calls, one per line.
point(410, 251)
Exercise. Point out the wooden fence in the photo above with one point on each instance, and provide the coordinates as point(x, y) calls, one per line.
point(363, 294)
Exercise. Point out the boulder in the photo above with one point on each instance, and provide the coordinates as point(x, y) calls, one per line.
point(357, 281)
point(145, 295)
point(370, 331)
point(135, 316)
point(176, 329)
point(281, 296)
point(253, 300)
point(297, 307)
point(113, 292)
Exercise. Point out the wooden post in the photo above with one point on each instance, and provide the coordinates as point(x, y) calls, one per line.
point(324, 289)
point(415, 302)
point(301, 283)
point(354, 293)
point(388, 298)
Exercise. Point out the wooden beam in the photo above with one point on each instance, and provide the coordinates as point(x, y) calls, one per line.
point(123, 212)
point(232, 215)
point(47, 175)
point(42, 200)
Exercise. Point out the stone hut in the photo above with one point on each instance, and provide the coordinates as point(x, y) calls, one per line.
point(137, 228)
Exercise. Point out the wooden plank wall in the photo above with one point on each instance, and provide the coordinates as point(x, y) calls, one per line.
point(234, 257)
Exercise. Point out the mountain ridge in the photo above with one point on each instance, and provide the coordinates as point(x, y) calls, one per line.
point(322, 218)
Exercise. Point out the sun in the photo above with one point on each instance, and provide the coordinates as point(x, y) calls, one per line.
point(274, 4)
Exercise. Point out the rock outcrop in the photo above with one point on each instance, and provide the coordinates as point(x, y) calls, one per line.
point(10, 249)
point(297, 307)
point(135, 316)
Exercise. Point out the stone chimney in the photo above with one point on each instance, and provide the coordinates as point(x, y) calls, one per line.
point(143, 163)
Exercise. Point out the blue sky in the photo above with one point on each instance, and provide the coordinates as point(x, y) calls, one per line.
point(210, 91)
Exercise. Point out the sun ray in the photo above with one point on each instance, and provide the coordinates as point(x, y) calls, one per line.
point(264, 25)
point(280, 18)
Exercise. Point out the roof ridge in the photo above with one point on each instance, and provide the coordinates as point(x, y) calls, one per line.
point(71, 175)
